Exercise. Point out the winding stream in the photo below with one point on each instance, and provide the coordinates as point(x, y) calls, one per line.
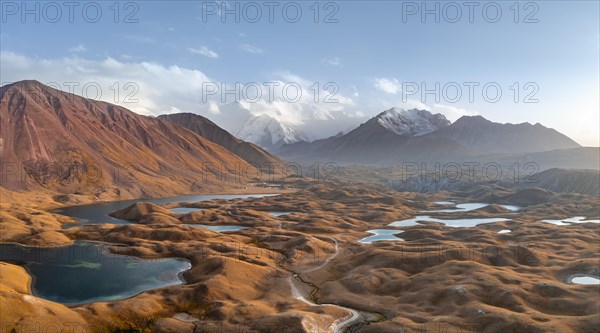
point(338, 326)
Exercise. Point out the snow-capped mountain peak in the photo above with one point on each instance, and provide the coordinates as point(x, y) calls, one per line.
point(412, 122)
point(268, 133)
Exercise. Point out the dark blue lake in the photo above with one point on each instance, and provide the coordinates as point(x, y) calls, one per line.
point(87, 272)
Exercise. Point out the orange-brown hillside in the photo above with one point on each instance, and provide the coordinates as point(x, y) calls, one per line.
point(52, 140)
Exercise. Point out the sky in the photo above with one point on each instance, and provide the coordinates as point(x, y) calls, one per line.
point(323, 66)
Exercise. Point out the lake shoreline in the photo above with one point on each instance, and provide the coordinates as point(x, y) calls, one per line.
point(40, 206)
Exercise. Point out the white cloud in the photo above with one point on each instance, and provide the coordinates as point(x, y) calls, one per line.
point(213, 107)
point(152, 89)
point(335, 61)
point(205, 51)
point(251, 49)
point(157, 89)
point(173, 110)
point(144, 87)
point(451, 112)
point(77, 49)
point(390, 86)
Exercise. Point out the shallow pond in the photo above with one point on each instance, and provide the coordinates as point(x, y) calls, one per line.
point(279, 213)
point(584, 279)
point(467, 207)
point(87, 272)
point(456, 223)
point(571, 220)
point(381, 235)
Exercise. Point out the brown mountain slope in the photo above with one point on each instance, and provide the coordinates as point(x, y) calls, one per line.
point(62, 142)
point(211, 131)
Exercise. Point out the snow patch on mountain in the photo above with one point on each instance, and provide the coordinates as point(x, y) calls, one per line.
point(412, 122)
point(268, 133)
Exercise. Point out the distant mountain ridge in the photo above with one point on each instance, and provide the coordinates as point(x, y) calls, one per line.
point(397, 135)
point(478, 133)
point(394, 132)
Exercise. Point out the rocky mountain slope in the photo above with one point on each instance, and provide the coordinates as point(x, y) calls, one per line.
point(209, 130)
point(55, 141)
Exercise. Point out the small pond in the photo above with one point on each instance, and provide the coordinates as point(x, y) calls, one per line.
point(279, 213)
point(381, 235)
point(584, 279)
point(456, 223)
point(467, 207)
point(571, 221)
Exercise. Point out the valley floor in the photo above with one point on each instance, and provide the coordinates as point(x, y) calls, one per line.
point(305, 271)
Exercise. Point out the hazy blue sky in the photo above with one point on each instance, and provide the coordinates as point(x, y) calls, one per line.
point(372, 51)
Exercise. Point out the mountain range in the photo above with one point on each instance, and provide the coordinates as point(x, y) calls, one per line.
point(482, 135)
point(58, 141)
point(398, 135)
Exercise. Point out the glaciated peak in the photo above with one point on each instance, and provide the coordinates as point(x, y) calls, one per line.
point(267, 132)
point(412, 122)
